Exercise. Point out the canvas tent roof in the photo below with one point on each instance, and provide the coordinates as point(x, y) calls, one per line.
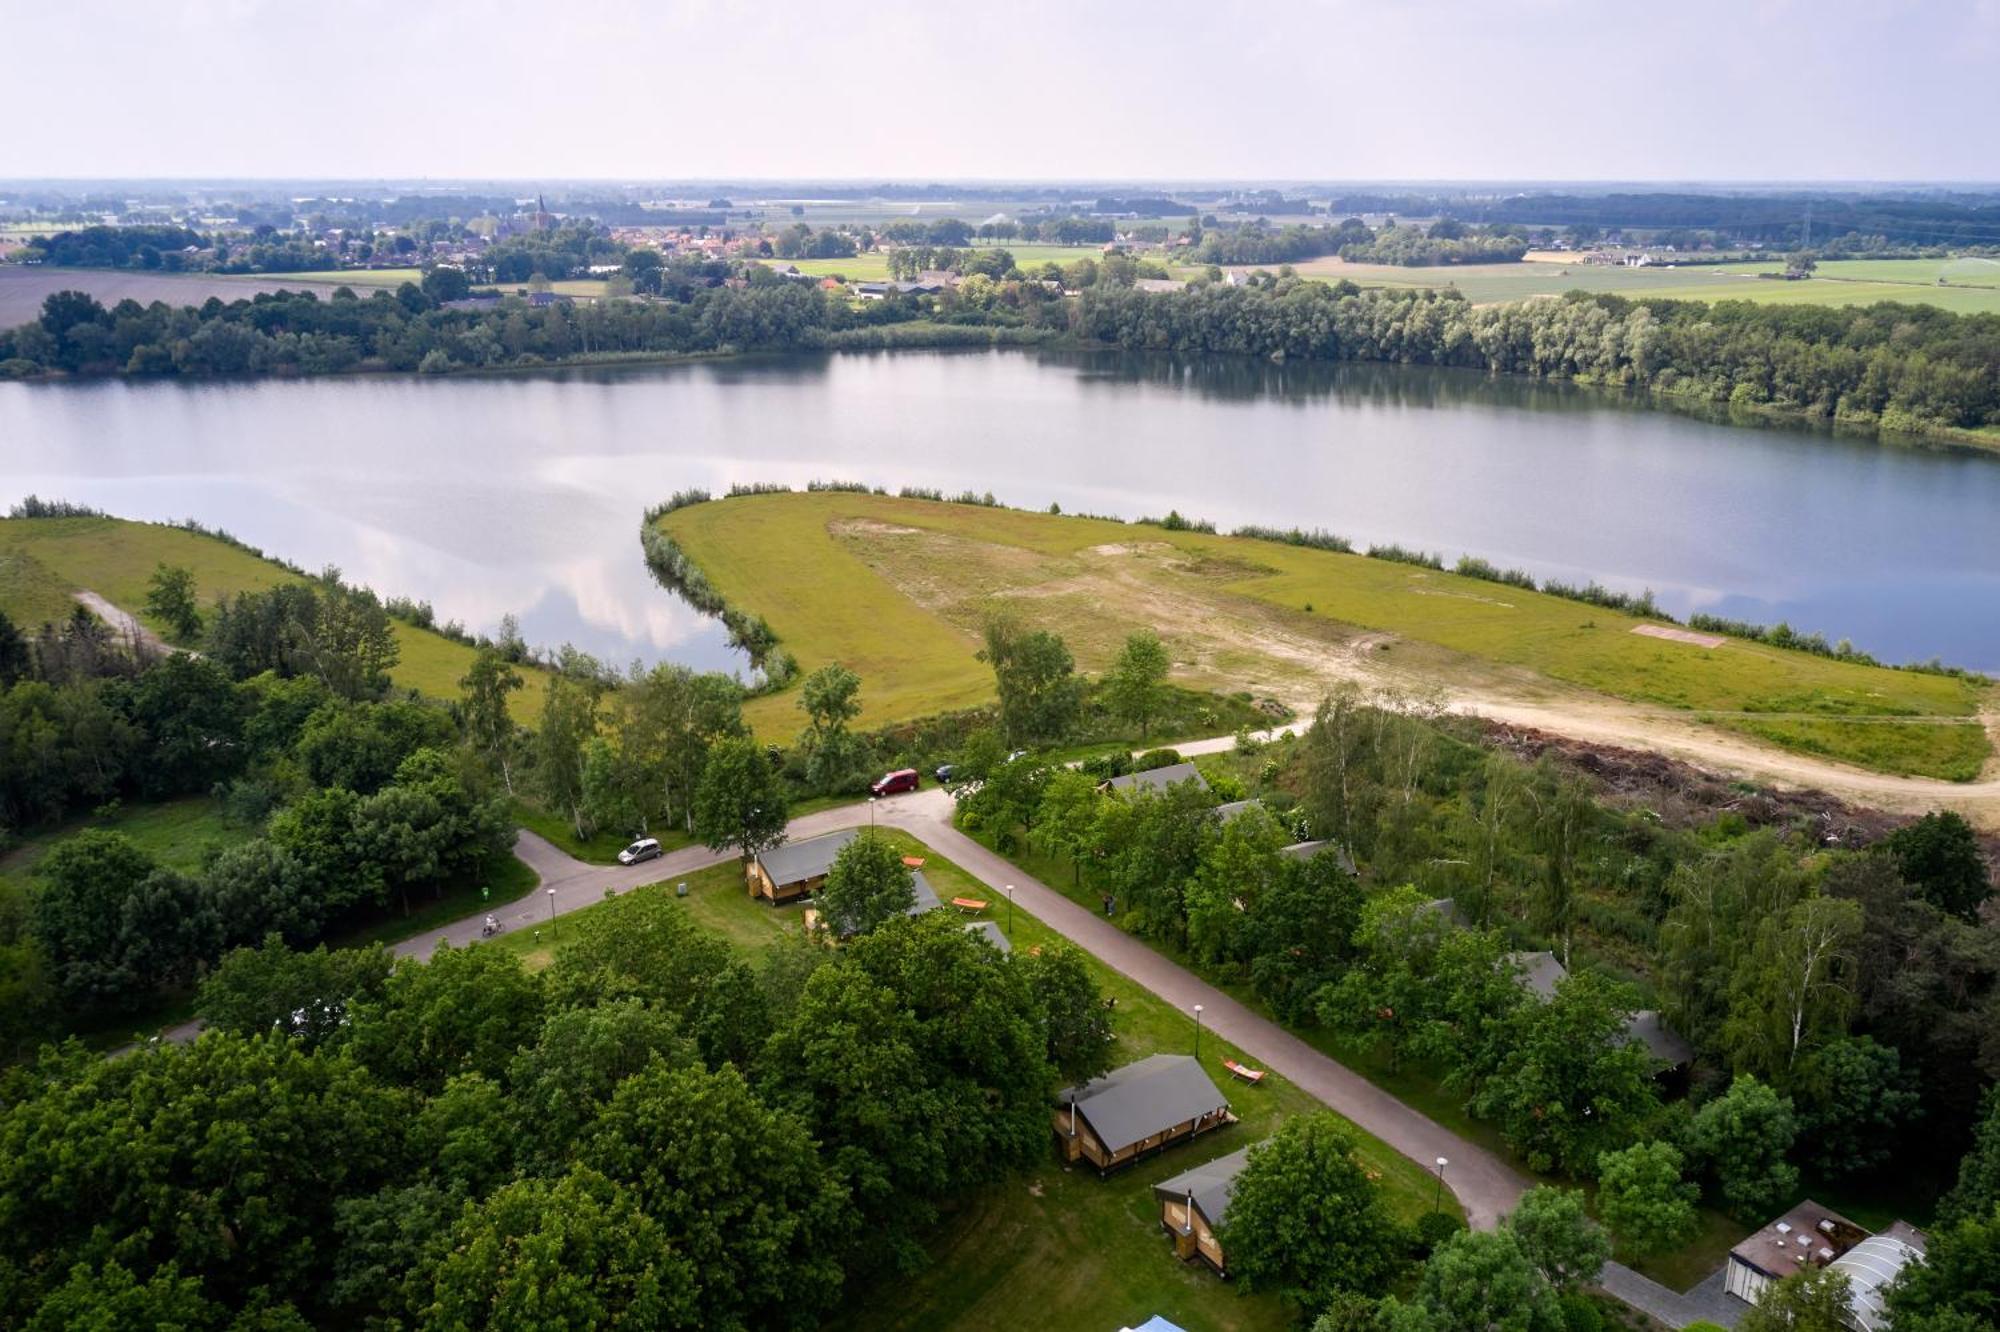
point(1649, 1029)
point(1540, 972)
point(927, 898)
point(795, 862)
point(1308, 850)
point(1158, 779)
point(1144, 1098)
point(1226, 812)
point(1211, 1184)
point(991, 931)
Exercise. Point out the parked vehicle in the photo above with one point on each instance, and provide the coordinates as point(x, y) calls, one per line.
point(903, 779)
point(646, 848)
point(945, 772)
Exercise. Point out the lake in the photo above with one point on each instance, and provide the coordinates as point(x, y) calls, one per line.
point(522, 494)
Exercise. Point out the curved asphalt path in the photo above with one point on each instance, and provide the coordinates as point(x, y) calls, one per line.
point(1484, 1184)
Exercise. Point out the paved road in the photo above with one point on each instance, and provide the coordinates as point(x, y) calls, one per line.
point(1485, 1185)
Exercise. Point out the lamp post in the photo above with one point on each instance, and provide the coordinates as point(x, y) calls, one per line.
point(552, 910)
point(1010, 911)
point(1437, 1195)
point(1197, 1031)
point(871, 814)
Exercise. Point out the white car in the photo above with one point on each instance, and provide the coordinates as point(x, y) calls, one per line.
point(646, 848)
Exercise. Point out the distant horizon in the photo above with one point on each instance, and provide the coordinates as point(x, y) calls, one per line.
point(864, 181)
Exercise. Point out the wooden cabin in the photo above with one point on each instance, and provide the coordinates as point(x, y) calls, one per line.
point(1135, 1111)
point(796, 869)
point(1192, 1205)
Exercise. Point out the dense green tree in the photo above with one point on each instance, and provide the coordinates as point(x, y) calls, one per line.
point(1385, 997)
point(1855, 1105)
point(1813, 1299)
point(14, 656)
point(1238, 866)
point(916, 1056)
point(1035, 676)
point(192, 720)
point(741, 800)
point(1569, 1087)
point(1149, 846)
point(1977, 1190)
point(574, 1252)
point(1743, 1138)
point(1957, 1286)
point(1301, 932)
point(1794, 989)
point(304, 995)
point(1477, 1279)
point(467, 1010)
point(1065, 820)
point(360, 745)
point(347, 640)
point(568, 722)
point(644, 945)
point(735, 1186)
point(257, 888)
point(170, 599)
point(1076, 1027)
point(830, 698)
point(1135, 683)
point(562, 1082)
point(488, 719)
point(114, 926)
point(1305, 1220)
point(1556, 1233)
point(1642, 1198)
point(668, 719)
point(110, 1299)
point(224, 1156)
point(1939, 856)
point(867, 884)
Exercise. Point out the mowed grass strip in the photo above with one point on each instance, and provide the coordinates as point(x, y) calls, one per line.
point(789, 558)
point(1051, 1247)
point(44, 560)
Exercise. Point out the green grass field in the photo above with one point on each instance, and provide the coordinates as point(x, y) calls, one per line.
point(1975, 283)
point(1056, 1246)
point(358, 278)
point(874, 267)
point(44, 560)
point(179, 834)
point(895, 590)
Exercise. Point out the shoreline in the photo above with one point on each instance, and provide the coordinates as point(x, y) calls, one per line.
point(953, 337)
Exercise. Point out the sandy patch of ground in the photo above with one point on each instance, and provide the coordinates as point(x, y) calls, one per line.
point(124, 623)
point(1674, 635)
point(1223, 641)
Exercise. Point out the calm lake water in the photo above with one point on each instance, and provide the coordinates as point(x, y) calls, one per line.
point(523, 494)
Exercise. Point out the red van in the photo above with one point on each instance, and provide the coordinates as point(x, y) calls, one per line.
point(903, 779)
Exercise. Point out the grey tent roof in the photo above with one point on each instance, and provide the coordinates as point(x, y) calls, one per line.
point(1649, 1029)
point(1158, 779)
point(1308, 850)
point(795, 862)
point(1211, 1184)
point(1225, 812)
point(1448, 908)
point(1872, 1266)
point(990, 930)
point(1540, 972)
point(1144, 1098)
point(927, 898)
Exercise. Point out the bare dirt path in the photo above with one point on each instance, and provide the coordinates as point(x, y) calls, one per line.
point(123, 623)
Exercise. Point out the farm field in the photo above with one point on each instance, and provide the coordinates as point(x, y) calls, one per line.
point(1054, 1243)
point(896, 590)
point(358, 278)
point(874, 267)
point(44, 560)
point(22, 290)
point(1841, 282)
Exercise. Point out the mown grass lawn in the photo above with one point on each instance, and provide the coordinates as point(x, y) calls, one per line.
point(1053, 1247)
point(43, 560)
point(179, 834)
point(798, 560)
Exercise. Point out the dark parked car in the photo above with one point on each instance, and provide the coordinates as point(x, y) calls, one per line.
point(903, 779)
point(945, 772)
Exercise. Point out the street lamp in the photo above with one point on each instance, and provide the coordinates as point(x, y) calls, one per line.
point(552, 910)
point(1010, 911)
point(1197, 1031)
point(1437, 1196)
point(871, 813)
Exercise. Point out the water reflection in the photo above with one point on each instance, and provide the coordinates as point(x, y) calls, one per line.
point(523, 494)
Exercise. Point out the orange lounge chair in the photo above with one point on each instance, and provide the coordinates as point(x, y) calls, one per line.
point(970, 904)
point(1253, 1076)
point(914, 862)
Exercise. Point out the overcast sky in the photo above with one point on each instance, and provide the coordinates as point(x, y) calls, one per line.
point(1044, 89)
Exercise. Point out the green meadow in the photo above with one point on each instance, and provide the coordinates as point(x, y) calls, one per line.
point(895, 590)
point(43, 561)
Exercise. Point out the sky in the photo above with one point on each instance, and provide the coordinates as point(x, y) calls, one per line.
point(1172, 90)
